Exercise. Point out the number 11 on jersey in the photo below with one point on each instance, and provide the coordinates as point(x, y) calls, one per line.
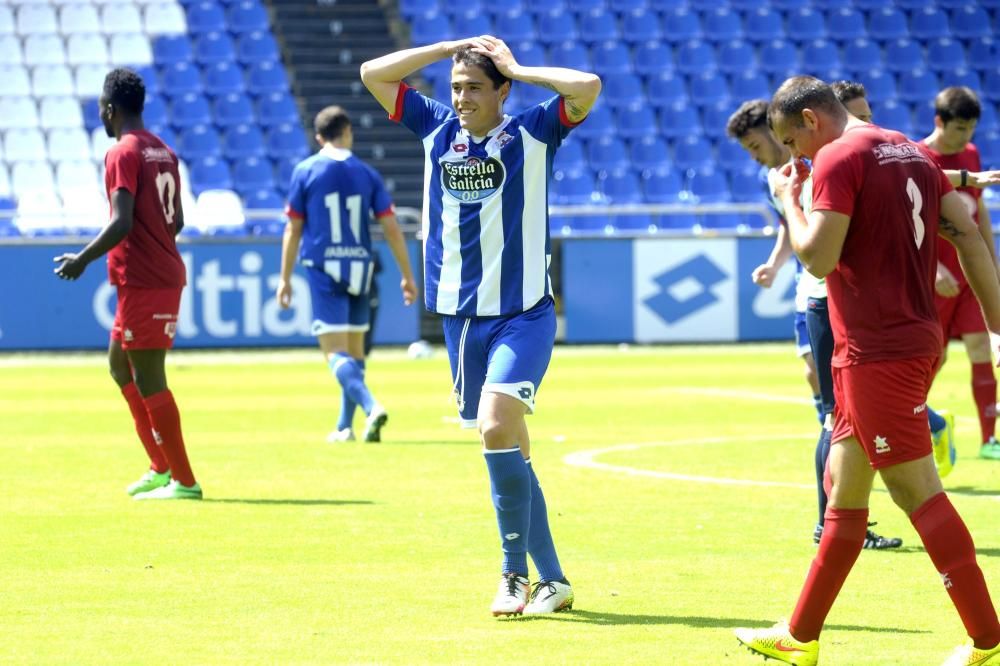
point(353, 202)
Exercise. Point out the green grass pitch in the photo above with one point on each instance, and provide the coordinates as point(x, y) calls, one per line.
point(309, 553)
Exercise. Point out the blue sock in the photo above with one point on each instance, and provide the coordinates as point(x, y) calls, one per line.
point(818, 404)
point(347, 404)
point(352, 379)
point(540, 546)
point(822, 454)
point(935, 420)
point(510, 483)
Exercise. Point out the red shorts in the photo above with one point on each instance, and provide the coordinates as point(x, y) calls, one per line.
point(884, 406)
point(960, 315)
point(146, 318)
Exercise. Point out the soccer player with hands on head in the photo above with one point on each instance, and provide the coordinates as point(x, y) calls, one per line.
point(486, 258)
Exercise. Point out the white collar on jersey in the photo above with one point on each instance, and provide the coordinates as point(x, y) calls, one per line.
point(334, 153)
point(492, 133)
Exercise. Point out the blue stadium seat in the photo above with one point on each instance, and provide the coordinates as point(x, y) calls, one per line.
point(695, 56)
point(763, 25)
point(571, 54)
point(636, 120)
point(661, 184)
point(573, 187)
point(750, 85)
point(583, 6)
point(989, 150)
point(223, 77)
point(154, 112)
point(530, 53)
point(470, 23)
point(970, 21)
point(988, 121)
point(287, 141)
point(611, 58)
point(188, 110)
point(619, 186)
point(214, 47)
point(845, 24)
point(233, 109)
point(918, 85)
point(652, 57)
point(805, 24)
point(600, 121)
point(92, 113)
point(150, 78)
point(922, 114)
point(257, 47)
point(622, 90)
point(991, 85)
point(723, 25)
point(181, 78)
point(779, 58)
point(246, 140)
point(248, 16)
point(277, 108)
point(596, 26)
point(731, 157)
point(983, 53)
point(559, 25)
point(709, 185)
point(205, 17)
point(745, 185)
point(693, 152)
point(679, 120)
point(904, 54)
point(862, 55)
point(515, 26)
point(887, 23)
point(680, 25)
point(821, 55)
point(172, 48)
point(570, 156)
point(666, 87)
point(251, 174)
point(640, 26)
point(411, 8)
point(210, 173)
point(962, 76)
point(648, 152)
point(266, 77)
point(929, 23)
point(715, 116)
point(198, 142)
point(625, 6)
point(265, 200)
point(736, 57)
point(708, 87)
point(167, 136)
point(531, 95)
point(880, 85)
point(606, 152)
point(893, 115)
point(872, 5)
point(453, 9)
point(429, 28)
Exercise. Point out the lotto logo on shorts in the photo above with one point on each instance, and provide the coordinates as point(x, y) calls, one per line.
point(170, 329)
point(525, 393)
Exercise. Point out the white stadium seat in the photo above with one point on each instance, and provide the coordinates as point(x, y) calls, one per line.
point(18, 112)
point(89, 80)
point(51, 80)
point(84, 208)
point(218, 210)
point(44, 50)
point(79, 18)
point(165, 18)
point(39, 211)
point(5, 188)
point(100, 142)
point(131, 49)
point(89, 49)
point(60, 112)
point(77, 174)
point(10, 50)
point(69, 143)
point(15, 80)
point(30, 176)
point(7, 26)
point(36, 20)
point(24, 145)
point(120, 18)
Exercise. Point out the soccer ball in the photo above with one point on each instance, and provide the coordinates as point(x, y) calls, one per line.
point(420, 349)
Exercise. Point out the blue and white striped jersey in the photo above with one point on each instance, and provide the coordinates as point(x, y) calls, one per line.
point(336, 193)
point(485, 217)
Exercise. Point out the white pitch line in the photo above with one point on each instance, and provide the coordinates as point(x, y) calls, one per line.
point(737, 394)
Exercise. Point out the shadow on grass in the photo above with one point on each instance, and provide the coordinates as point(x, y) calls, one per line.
point(285, 502)
point(974, 492)
point(594, 617)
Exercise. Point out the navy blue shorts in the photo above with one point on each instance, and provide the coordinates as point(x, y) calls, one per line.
point(335, 310)
point(506, 355)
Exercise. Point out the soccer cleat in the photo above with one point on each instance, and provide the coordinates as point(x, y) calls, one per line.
point(943, 444)
point(550, 597)
point(817, 534)
point(173, 490)
point(777, 643)
point(875, 542)
point(990, 450)
point(374, 423)
point(148, 481)
point(512, 595)
point(970, 655)
point(345, 435)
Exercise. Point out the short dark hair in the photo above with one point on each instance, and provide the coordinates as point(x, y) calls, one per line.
point(124, 89)
point(848, 91)
point(750, 116)
point(466, 56)
point(803, 92)
point(331, 122)
point(957, 103)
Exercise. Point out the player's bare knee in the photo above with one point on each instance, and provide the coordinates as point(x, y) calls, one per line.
point(910, 488)
point(121, 375)
point(497, 434)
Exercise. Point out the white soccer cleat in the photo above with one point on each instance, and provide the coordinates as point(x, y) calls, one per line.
point(550, 597)
point(336, 436)
point(512, 596)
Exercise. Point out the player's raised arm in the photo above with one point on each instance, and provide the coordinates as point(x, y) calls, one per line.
point(578, 89)
point(819, 239)
point(71, 266)
point(382, 75)
point(977, 262)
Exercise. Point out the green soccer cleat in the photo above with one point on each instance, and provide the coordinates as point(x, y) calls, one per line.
point(943, 442)
point(173, 490)
point(970, 655)
point(374, 424)
point(148, 481)
point(990, 450)
point(777, 643)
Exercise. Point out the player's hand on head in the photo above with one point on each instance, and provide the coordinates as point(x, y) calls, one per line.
point(284, 294)
point(497, 50)
point(475, 42)
point(70, 267)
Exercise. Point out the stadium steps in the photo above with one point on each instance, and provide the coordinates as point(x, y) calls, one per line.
point(324, 44)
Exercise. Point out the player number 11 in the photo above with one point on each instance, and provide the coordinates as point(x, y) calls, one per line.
point(918, 205)
point(354, 213)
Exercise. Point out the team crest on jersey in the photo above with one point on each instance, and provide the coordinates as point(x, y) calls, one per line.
point(503, 138)
point(473, 178)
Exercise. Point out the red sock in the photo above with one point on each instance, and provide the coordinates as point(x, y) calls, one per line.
point(984, 392)
point(950, 546)
point(158, 462)
point(843, 536)
point(166, 422)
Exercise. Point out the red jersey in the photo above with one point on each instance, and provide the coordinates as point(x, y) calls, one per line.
point(967, 159)
point(147, 257)
point(882, 290)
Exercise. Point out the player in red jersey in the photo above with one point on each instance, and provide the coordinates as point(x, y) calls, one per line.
point(877, 201)
point(957, 112)
point(143, 187)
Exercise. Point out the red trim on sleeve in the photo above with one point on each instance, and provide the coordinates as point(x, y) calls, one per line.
point(563, 118)
point(291, 212)
point(397, 115)
point(391, 210)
